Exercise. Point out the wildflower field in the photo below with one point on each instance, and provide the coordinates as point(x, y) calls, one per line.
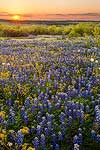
point(50, 93)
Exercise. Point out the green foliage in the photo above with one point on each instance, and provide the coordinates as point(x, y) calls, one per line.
point(81, 29)
point(96, 30)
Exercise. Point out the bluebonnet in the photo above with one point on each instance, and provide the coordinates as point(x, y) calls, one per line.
point(49, 126)
point(9, 103)
point(11, 137)
point(62, 116)
point(97, 138)
point(80, 139)
point(60, 136)
point(46, 131)
point(69, 113)
point(19, 138)
point(70, 119)
point(27, 102)
point(97, 114)
point(38, 130)
point(87, 109)
point(36, 143)
point(32, 129)
point(41, 107)
point(11, 117)
point(80, 130)
point(43, 140)
point(63, 127)
point(33, 108)
point(93, 134)
point(54, 138)
point(57, 147)
point(25, 117)
point(75, 139)
point(22, 112)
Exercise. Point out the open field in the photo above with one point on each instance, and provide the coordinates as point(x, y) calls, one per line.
point(50, 93)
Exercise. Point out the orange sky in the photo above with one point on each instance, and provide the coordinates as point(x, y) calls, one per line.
point(51, 9)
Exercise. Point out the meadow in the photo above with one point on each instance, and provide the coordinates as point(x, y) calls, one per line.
point(50, 87)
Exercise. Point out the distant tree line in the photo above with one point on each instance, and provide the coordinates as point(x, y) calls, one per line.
point(81, 29)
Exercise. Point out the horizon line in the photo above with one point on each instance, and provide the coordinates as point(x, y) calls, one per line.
point(64, 20)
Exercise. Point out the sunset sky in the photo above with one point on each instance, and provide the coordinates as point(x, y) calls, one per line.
point(50, 9)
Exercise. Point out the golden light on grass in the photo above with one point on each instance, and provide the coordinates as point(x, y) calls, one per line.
point(16, 17)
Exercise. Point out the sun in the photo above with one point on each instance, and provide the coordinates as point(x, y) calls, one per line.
point(16, 17)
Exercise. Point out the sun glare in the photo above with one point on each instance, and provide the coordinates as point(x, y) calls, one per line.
point(16, 17)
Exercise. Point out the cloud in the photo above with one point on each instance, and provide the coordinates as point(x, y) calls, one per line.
point(78, 16)
point(84, 16)
point(87, 14)
point(4, 14)
point(81, 14)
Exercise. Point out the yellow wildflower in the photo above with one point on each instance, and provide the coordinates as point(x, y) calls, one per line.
point(25, 130)
point(10, 144)
point(4, 131)
point(2, 114)
point(31, 148)
point(4, 75)
point(2, 136)
point(24, 146)
point(11, 131)
point(86, 116)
